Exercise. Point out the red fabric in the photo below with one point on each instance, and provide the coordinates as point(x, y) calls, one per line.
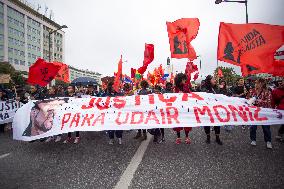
point(142, 69)
point(220, 73)
point(148, 54)
point(253, 45)
point(195, 77)
point(181, 32)
point(63, 73)
point(278, 99)
point(133, 72)
point(117, 80)
point(178, 129)
point(41, 72)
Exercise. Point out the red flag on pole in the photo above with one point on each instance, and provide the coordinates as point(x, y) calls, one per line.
point(118, 76)
point(63, 73)
point(251, 44)
point(148, 54)
point(220, 73)
point(181, 32)
point(41, 72)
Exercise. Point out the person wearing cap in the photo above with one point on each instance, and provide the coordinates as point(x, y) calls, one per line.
point(211, 87)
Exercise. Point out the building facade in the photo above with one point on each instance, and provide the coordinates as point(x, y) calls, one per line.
point(24, 36)
point(75, 73)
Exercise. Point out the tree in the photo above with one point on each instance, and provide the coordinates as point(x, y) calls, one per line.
point(229, 74)
point(16, 76)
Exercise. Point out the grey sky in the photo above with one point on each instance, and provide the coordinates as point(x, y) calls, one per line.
point(100, 30)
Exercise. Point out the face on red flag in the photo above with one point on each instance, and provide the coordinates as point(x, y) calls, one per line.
point(250, 44)
point(41, 72)
point(181, 33)
point(63, 73)
point(148, 54)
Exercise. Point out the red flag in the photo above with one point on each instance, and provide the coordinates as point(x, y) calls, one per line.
point(142, 70)
point(148, 54)
point(195, 76)
point(251, 44)
point(220, 73)
point(133, 72)
point(181, 32)
point(117, 79)
point(41, 72)
point(63, 73)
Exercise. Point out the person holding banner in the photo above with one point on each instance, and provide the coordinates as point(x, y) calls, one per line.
point(261, 98)
point(144, 91)
point(180, 87)
point(118, 133)
point(278, 103)
point(71, 93)
point(211, 87)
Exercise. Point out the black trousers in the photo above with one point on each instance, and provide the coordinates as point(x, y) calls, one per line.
point(281, 130)
point(76, 133)
point(216, 129)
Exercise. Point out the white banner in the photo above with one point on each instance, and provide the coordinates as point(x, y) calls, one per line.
point(40, 119)
point(8, 110)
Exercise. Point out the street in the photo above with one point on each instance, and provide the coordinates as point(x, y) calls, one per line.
point(93, 163)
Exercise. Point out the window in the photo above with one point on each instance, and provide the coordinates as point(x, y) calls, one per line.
point(34, 47)
point(38, 49)
point(29, 28)
point(16, 61)
point(10, 20)
point(29, 64)
point(34, 56)
point(22, 53)
point(1, 37)
point(38, 40)
point(16, 52)
point(29, 46)
point(10, 50)
point(22, 62)
point(1, 47)
point(1, 26)
point(29, 55)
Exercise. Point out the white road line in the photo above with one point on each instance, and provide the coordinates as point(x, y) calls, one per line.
point(4, 155)
point(127, 176)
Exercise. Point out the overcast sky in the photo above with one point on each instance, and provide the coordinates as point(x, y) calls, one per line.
point(99, 31)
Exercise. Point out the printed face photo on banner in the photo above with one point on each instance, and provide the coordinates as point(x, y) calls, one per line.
point(41, 117)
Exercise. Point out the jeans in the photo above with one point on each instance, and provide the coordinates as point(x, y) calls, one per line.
point(117, 133)
point(266, 132)
point(216, 129)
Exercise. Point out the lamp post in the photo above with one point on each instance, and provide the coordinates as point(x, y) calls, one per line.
point(49, 40)
point(244, 1)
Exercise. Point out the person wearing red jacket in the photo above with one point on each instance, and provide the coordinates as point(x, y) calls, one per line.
point(181, 87)
point(278, 103)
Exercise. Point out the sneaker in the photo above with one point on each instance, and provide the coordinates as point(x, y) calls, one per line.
point(138, 135)
point(269, 145)
point(110, 142)
point(218, 141)
point(187, 140)
point(58, 139)
point(49, 139)
point(253, 143)
point(178, 141)
point(67, 140)
point(120, 141)
point(77, 139)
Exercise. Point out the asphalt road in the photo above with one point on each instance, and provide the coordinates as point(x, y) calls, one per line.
point(93, 163)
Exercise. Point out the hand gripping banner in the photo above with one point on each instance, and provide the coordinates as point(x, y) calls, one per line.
point(39, 119)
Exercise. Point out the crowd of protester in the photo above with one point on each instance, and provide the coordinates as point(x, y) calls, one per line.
point(259, 92)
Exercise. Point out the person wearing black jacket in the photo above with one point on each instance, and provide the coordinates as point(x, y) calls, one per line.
point(71, 93)
point(118, 133)
point(211, 87)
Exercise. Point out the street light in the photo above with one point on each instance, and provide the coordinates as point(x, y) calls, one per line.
point(49, 39)
point(226, 1)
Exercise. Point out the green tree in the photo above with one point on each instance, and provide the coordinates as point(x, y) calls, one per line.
point(16, 76)
point(229, 75)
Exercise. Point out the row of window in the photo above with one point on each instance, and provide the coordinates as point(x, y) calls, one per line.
point(16, 61)
point(33, 30)
point(15, 12)
point(34, 39)
point(16, 32)
point(15, 22)
point(33, 47)
point(32, 21)
point(16, 52)
point(16, 42)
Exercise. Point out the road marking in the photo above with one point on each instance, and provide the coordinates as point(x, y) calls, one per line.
point(4, 155)
point(128, 174)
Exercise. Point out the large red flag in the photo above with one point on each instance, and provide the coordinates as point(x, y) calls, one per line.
point(251, 44)
point(148, 54)
point(118, 76)
point(181, 32)
point(63, 73)
point(41, 72)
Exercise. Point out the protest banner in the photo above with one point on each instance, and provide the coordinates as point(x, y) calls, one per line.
point(5, 78)
point(39, 119)
point(7, 110)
